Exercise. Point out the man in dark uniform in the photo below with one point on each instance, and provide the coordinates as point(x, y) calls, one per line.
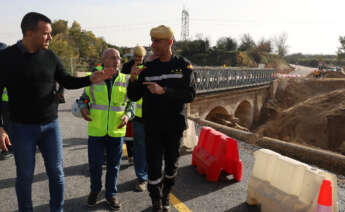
point(166, 84)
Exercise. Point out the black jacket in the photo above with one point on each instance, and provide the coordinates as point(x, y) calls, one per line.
point(126, 68)
point(30, 79)
point(165, 111)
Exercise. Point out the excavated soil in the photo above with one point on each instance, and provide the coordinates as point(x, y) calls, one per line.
point(307, 111)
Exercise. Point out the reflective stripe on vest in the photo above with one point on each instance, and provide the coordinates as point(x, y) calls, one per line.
point(106, 116)
point(138, 108)
point(99, 107)
point(4, 96)
point(104, 107)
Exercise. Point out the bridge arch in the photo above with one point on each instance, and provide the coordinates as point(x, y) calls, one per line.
point(219, 115)
point(244, 112)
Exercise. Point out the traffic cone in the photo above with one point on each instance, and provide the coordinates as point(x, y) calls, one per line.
point(324, 203)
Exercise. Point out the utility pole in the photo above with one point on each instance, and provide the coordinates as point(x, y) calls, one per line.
point(71, 61)
point(185, 25)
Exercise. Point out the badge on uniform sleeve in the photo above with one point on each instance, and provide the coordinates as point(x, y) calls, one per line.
point(189, 66)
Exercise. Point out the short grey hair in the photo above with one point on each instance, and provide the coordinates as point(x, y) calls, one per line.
point(105, 52)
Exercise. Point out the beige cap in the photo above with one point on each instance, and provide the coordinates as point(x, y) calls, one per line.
point(162, 32)
point(139, 51)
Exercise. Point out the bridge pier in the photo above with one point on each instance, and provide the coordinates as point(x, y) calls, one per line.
point(190, 139)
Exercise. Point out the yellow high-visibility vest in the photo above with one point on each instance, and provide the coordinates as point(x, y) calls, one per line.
point(138, 108)
point(106, 116)
point(4, 96)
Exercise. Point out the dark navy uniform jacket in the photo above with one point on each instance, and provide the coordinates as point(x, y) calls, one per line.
point(165, 111)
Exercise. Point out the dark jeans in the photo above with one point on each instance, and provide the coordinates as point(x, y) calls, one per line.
point(25, 138)
point(162, 144)
point(139, 151)
point(113, 148)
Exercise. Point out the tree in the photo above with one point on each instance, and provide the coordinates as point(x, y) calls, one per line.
point(60, 45)
point(227, 44)
point(341, 49)
point(281, 44)
point(264, 45)
point(189, 48)
point(75, 45)
point(87, 47)
point(75, 30)
point(197, 51)
point(59, 26)
point(247, 43)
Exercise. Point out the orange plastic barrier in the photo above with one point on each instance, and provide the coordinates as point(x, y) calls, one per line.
point(216, 152)
point(324, 203)
point(129, 130)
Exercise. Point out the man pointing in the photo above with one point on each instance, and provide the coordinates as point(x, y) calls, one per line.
point(166, 84)
point(30, 71)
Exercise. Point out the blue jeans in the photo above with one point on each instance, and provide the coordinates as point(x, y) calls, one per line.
point(25, 138)
point(139, 151)
point(113, 147)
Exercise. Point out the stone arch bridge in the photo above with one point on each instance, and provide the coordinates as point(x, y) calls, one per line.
point(225, 95)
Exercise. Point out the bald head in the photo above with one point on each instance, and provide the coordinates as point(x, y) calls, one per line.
point(111, 58)
point(110, 51)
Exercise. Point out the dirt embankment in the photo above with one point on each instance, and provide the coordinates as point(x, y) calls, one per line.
point(308, 111)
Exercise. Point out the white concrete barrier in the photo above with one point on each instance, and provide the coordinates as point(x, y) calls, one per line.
point(280, 184)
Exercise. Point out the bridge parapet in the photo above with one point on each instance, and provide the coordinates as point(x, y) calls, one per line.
point(211, 79)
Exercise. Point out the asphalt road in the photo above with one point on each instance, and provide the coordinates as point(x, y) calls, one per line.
point(303, 71)
point(191, 188)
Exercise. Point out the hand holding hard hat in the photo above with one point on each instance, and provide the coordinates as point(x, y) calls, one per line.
point(76, 110)
point(85, 114)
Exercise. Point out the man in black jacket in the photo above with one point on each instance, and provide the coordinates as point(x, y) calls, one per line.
point(30, 71)
point(136, 147)
point(166, 84)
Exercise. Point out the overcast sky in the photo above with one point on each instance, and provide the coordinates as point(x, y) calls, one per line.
point(312, 26)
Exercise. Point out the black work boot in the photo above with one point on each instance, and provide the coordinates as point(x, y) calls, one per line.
point(156, 206)
point(114, 203)
point(165, 203)
point(167, 186)
point(92, 199)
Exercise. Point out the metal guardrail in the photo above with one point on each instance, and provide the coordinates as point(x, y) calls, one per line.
point(213, 79)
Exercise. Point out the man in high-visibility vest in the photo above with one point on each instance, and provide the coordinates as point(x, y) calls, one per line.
point(105, 107)
point(5, 114)
point(165, 84)
point(138, 149)
point(6, 118)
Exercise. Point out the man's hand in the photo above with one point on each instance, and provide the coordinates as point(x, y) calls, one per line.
point(86, 114)
point(99, 76)
point(124, 121)
point(4, 140)
point(135, 71)
point(154, 88)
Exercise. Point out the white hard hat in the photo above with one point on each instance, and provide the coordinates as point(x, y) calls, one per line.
point(76, 110)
